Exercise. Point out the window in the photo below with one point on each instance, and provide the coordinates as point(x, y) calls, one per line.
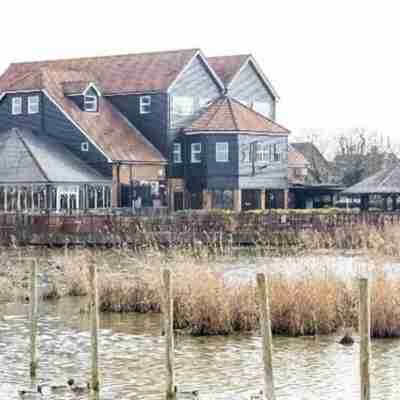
point(90, 103)
point(262, 152)
point(84, 146)
point(33, 104)
point(145, 104)
point(196, 153)
point(177, 153)
point(222, 152)
point(277, 153)
point(183, 105)
point(263, 108)
point(16, 105)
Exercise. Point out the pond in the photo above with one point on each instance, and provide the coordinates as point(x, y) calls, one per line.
point(132, 359)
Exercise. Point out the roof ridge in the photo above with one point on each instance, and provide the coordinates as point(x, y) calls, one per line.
point(231, 55)
point(104, 56)
point(35, 160)
point(232, 112)
point(217, 108)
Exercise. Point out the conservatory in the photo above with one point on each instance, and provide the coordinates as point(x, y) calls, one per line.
point(39, 174)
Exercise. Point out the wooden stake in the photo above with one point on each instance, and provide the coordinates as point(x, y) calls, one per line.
point(365, 343)
point(169, 333)
point(34, 317)
point(94, 325)
point(265, 322)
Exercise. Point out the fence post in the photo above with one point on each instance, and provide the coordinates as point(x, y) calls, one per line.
point(169, 333)
point(265, 322)
point(34, 317)
point(365, 344)
point(94, 325)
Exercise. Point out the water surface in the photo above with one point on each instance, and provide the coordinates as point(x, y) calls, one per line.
point(132, 360)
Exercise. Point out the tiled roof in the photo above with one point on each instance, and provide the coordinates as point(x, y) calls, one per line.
point(123, 73)
point(227, 114)
point(226, 67)
point(26, 157)
point(109, 129)
point(386, 181)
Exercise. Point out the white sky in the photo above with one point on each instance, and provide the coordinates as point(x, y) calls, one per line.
point(334, 65)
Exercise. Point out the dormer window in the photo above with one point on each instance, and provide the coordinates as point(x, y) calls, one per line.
point(90, 103)
point(145, 104)
point(16, 105)
point(33, 104)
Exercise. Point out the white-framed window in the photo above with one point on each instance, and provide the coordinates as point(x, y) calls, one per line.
point(222, 152)
point(90, 103)
point(183, 105)
point(33, 104)
point(277, 153)
point(16, 105)
point(84, 146)
point(177, 153)
point(262, 152)
point(145, 104)
point(195, 156)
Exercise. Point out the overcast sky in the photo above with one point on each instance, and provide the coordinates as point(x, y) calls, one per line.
point(334, 64)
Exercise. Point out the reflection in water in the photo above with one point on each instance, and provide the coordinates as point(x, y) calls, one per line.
point(132, 360)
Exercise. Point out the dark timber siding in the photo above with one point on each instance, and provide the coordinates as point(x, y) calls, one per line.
point(51, 122)
point(58, 126)
point(248, 87)
point(195, 173)
point(195, 82)
point(222, 175)
point(24, 120)
point(267, 175)
point(154, 124)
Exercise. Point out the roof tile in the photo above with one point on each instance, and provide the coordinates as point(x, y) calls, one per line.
point(227, 114)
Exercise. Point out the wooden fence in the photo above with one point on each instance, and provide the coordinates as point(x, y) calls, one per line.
point(52, 228)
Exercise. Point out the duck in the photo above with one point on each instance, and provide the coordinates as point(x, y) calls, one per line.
point(25, 393)
point(191, 395)
point(59, 388)
point(78, 389)
point(259, 396)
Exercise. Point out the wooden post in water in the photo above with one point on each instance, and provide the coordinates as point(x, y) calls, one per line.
point(169, 333)
point(94, 325)
point(34, 317)
point(365, 344)
point(265, 322)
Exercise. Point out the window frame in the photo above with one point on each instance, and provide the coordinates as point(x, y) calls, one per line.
point(145, 104)
point(194, 153)
point(224, 152)
point(85, 147)
point(14, 100)
point(90, 100)
point(185, 112)
point(177, 153)
point(32, 103)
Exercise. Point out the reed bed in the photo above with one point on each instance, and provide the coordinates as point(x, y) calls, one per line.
point(314, 302)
